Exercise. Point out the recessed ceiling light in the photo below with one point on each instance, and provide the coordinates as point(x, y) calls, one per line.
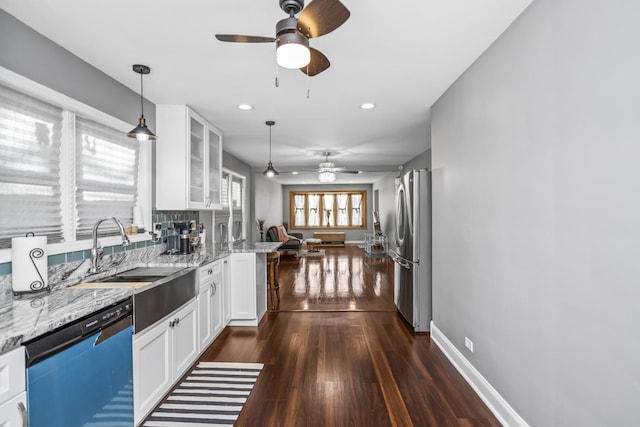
point(367, 106)
point(294, 173)
point(245, 107)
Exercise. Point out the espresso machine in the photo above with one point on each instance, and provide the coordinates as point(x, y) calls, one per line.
point(178, 239)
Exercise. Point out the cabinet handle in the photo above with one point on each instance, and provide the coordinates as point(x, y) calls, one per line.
point(172, 323)
point(215, 288)
point(210, 271)
point(211, 287)
point(177, 320)
point(23, 413)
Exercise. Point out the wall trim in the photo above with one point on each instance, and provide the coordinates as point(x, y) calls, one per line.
point(489, 395)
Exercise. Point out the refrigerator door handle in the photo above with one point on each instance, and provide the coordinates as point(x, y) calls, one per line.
point(402, 261)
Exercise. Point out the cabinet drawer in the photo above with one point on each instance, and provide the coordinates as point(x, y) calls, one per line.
point(13, 412)
point(210, 271)
point(12, 374)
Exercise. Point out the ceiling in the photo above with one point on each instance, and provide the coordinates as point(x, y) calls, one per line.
point(400, 55)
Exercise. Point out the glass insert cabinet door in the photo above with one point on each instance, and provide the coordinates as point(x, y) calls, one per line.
point(197, 162)
point(215, 165)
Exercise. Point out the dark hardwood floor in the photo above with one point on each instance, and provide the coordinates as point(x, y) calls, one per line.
point(338, 354)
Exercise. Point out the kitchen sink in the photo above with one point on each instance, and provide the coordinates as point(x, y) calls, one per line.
point(142, 274)
point(172, 287)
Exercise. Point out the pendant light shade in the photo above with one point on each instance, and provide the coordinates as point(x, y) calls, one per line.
point(142, 132)
point(270, 171)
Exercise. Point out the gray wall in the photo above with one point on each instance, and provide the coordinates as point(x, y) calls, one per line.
point(349, 235)
point(34, 56)
point(268, 202)
point(386, 188)
point(536, 215)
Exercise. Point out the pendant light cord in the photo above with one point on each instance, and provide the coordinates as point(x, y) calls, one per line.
point(270, 144)
point(141, 97)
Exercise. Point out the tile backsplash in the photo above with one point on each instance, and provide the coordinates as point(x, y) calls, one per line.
point(166, 218)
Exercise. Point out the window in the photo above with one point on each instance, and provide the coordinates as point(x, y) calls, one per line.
point(63, 166)
point(106, 170)
point(232, 215)
point(328, 209)
point(30, 141)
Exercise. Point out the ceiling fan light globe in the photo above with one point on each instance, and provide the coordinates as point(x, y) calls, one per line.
point(325, 176)
point(292, 51)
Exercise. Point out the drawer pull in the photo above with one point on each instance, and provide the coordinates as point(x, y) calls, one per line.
point(23, 413)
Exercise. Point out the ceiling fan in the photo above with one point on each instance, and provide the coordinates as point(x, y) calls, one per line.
point(327, 170)
point(292, 34)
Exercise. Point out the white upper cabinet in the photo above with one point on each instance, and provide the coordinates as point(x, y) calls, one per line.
point(188, 160)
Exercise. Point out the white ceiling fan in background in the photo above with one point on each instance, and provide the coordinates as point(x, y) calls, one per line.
point(327, 170)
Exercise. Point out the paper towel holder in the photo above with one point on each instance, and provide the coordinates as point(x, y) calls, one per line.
point(38, 281)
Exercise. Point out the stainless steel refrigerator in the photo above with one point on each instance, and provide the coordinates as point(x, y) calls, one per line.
point(412, 254)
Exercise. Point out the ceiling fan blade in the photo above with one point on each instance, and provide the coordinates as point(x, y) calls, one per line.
point(237, 38)
point(320, 17)
point(318, 62)
point(346, 171)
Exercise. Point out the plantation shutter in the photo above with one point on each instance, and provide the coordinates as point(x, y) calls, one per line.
point(222, 216)
point(237, 199)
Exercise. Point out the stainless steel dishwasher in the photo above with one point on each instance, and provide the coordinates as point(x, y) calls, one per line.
point(82, 373)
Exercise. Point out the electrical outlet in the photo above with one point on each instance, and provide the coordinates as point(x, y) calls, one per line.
point(156, 231)
point(469, 344)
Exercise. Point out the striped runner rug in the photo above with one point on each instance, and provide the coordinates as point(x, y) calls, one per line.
point(212, 395)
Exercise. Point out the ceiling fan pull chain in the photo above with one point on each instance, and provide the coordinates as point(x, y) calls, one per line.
point(307, 73)
point(277, 81)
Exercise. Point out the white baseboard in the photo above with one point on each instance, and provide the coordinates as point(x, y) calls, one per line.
point(489, 395)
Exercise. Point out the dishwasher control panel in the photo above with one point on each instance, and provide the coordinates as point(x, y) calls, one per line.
point(106, 317)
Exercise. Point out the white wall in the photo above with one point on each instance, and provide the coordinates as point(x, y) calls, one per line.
point(535, 151)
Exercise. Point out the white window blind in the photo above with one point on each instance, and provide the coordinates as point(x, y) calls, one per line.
point(30, 141)
point(106, 176)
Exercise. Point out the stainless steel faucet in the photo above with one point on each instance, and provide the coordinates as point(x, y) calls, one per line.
point(96, 250)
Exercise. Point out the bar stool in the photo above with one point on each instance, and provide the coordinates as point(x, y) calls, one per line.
point(273, 259)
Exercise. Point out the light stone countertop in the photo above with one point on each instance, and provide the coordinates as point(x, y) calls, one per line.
point(27, 316)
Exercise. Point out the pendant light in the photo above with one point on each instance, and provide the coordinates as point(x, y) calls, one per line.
point(142, 132)
point(270, 171)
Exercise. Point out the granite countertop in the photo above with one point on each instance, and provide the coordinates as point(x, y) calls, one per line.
point(255, 247)
point(27, 316)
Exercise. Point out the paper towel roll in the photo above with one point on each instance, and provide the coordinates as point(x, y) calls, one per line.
point(29, 264)
point(137, 216)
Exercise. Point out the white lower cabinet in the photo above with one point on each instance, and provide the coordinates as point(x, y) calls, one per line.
point(13, 412)
point(248, 277)
point(243, 291)
point(161, 355)
point(210, 303)
point(13, 398)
